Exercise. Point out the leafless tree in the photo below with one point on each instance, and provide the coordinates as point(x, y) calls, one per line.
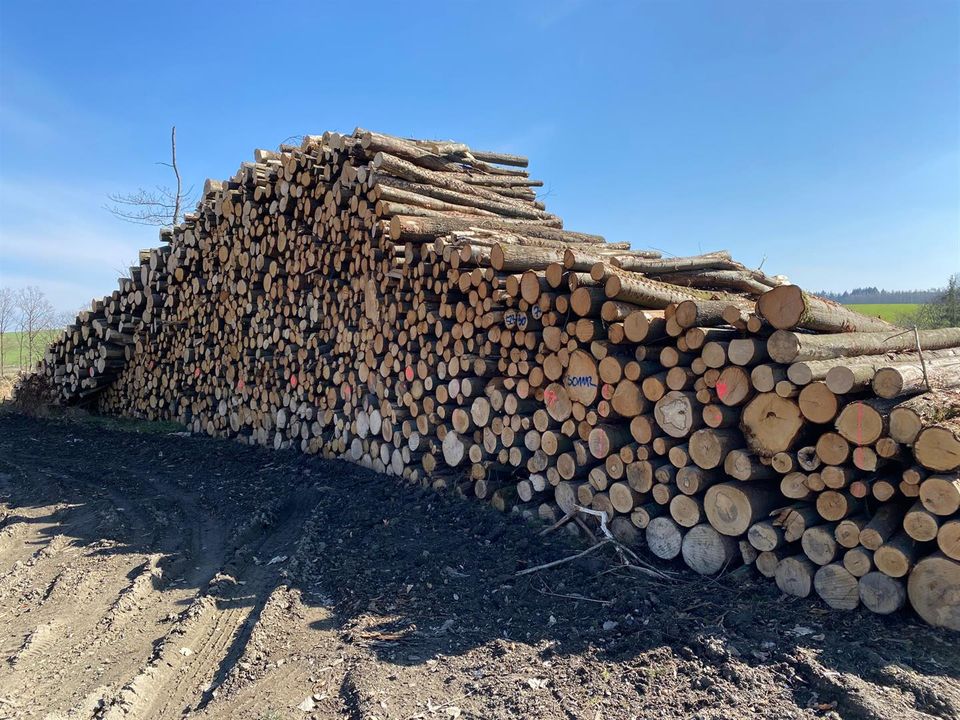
point(8, 309)
point(162, 206)
point(36, 317)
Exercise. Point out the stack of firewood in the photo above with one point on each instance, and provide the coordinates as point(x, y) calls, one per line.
point(411, 306)
point(92, 351)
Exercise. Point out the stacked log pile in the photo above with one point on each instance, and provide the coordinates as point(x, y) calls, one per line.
point(410, 305)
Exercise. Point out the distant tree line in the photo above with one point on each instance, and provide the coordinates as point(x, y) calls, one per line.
point(871, 295)
point(28, 323)
point(942, 311)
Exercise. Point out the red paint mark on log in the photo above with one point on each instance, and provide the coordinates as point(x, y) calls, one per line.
point(721, 389)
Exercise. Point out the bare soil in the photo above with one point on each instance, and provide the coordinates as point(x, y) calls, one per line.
point(145, 574)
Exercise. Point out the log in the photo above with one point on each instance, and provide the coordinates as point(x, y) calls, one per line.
point(837, 587)
point(794, 576)
point(686, 510)
point(937, 447)
point(787, 306)
point(908, 418)
point(896, 556)
point(819, 544)
point(910, 378)
point(940, 494)
point(921, 524)
point(707, 552)
point(858, 561)
point(743, 465)
point(734, 386)
point(884, 524)
point(664, 538)
point(881, 593)
point(771, 424)
point(934, 590)
point(818, 403)
point(732, 508)
point(709, 447)
point(863, 422)
point(765, 536)
point(791, 347)
point(948, 539)
point(677, 413)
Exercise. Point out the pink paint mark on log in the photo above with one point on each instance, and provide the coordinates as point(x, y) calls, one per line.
point(721, 389)
point(408, 374)
point(859, 423)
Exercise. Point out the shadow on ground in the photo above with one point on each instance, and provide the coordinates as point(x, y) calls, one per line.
point(411, 575)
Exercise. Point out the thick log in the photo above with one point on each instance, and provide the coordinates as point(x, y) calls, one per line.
point(921, 524)
point(837, 587)
point(863, 422)
point(771, 424)
point(791, 347)
point(707, 552)
point(664, 538)
point(858, 561)
point(896, 556)
point(934, 589)
point(893, 381)
point(787, 306)
point(881, 593)
point(948, 539)
point(678, 414)
point(937, 447)
point(908, 418)
point(733, 507)
point(940, 494)
point(709, 447)
point(765, 536)
point(794, 575)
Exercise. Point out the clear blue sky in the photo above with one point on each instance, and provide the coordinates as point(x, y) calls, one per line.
point(821, 136)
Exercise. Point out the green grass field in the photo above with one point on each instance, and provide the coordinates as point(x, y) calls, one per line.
point(10, 363)
point(890, 312)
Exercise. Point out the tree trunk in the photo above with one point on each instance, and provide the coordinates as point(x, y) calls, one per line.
point(787, 306)
point(792, 347)
point(934, 588)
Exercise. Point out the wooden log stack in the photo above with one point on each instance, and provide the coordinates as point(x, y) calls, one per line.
point(410, 305)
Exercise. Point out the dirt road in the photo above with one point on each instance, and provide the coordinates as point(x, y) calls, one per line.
point(150, 575)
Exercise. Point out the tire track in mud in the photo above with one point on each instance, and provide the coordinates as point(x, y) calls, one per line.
point(202, 647)
point(145, 589)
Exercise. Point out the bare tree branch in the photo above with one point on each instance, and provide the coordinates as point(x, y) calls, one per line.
point(37, 317)
point(160, 207)
point(8, 308)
